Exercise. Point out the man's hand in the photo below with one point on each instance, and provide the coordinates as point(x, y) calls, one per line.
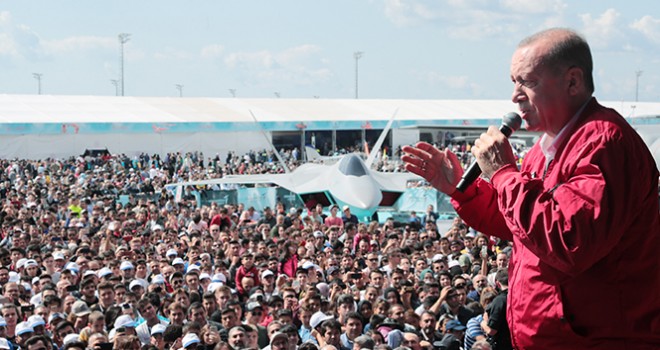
point(492, 151)
point(440, 168)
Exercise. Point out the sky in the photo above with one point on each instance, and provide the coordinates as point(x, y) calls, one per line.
point(411, 49)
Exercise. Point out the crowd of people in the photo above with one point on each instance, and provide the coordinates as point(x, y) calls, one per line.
point(81, 270)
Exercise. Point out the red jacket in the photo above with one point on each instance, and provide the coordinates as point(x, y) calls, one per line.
point(585, 269)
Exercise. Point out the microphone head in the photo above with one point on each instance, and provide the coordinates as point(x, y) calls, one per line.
point(512, 120)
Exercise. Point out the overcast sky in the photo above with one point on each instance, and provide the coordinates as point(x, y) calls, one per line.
point(413, 49)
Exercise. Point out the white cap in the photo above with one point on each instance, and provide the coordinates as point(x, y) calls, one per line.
point(58, 256)
point(171, 252)
point(158, 279)
point(104, 271)
point(213, 286)
point(89, 273)
point(71, 338)
point(437, 257)
point(192, 267)
point(178, 261)
point(204, 275)
point(453, 263)
point(21, 263)
point(124, 321)
point(31, 262)
point(156, 227)
point(219, 278)
point(73, 267)
point(135, 283)
point(36, 321)
point(23, 327)
point(190, 339)
point(267, 273)
point(158, 329)
point(4, 344)
point(318, 318)
point(126, 265)
point(14, 277)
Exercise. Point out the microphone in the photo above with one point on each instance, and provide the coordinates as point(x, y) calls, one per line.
point(510, 123)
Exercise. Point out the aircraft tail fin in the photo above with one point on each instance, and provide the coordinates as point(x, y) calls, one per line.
point(277, 154)
point(381, 139)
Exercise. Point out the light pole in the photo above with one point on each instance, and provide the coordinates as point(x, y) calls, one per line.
point(357, 55)
point(123, 39)
point(180, 88)
point(637, 74)
point(232, 92)
point(277, 94)
point(38, 77)
point(115, 82)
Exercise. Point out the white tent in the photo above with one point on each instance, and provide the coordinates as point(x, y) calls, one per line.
point(39, 126)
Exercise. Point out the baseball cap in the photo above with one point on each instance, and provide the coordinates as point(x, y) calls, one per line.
point(4, 344)
point(104, 271)
point(318, 234)
point(126, 265)
point(58, 256)
point(318, 318)
point(135, 283)
point(278, 335)
point(345, 208)
point(455, 325)
point(190, 339)
point(55, 316)
point(178, 261)
point(21, 263)
point(36, 321)
point(125, 321)
point(437, 257)
point(204, 276)
point(158, 329)
point(331, 270)
point(219, 278)
point(80, 308)
point(253, 306)
point(171, 252)
point(158, 279)
point(24, 327)
point(267, 273)
point(71, 338)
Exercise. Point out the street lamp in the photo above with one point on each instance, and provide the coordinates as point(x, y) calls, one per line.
point(38, 77)
point(357, 55)
point(180, 88)
point(115, 82)
point(123, 39)
point(232, 92)
point(637, 74)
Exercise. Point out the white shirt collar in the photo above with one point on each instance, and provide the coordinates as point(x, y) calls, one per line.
point(549, 144)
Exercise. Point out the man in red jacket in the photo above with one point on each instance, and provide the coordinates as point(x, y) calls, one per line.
point(582, 211)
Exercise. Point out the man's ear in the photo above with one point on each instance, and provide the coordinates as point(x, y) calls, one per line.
point(575, 78)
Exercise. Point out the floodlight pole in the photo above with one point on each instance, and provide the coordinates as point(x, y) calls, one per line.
point(357, 55)
point(637, 75)
point(123, 39)
point(115, 82)
point(232, 92)
point(180, 88)
point(38, 77)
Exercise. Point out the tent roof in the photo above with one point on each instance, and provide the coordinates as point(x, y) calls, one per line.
point(38, 109)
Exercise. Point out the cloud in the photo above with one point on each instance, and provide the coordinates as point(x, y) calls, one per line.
point(80, 43)
point(407, 12)
point(18, 41)
point(450, 82)
point(603, 30)
point(301, 65)
point(212, 51)
point(476, 19)
point(172, 54)
point(534, 7)
point(649, 27)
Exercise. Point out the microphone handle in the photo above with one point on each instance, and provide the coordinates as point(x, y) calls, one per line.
point(473, 171)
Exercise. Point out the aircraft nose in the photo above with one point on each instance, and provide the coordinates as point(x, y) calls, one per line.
point(357, 191)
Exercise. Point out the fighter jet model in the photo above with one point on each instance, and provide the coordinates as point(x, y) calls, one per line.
point(348, 182)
